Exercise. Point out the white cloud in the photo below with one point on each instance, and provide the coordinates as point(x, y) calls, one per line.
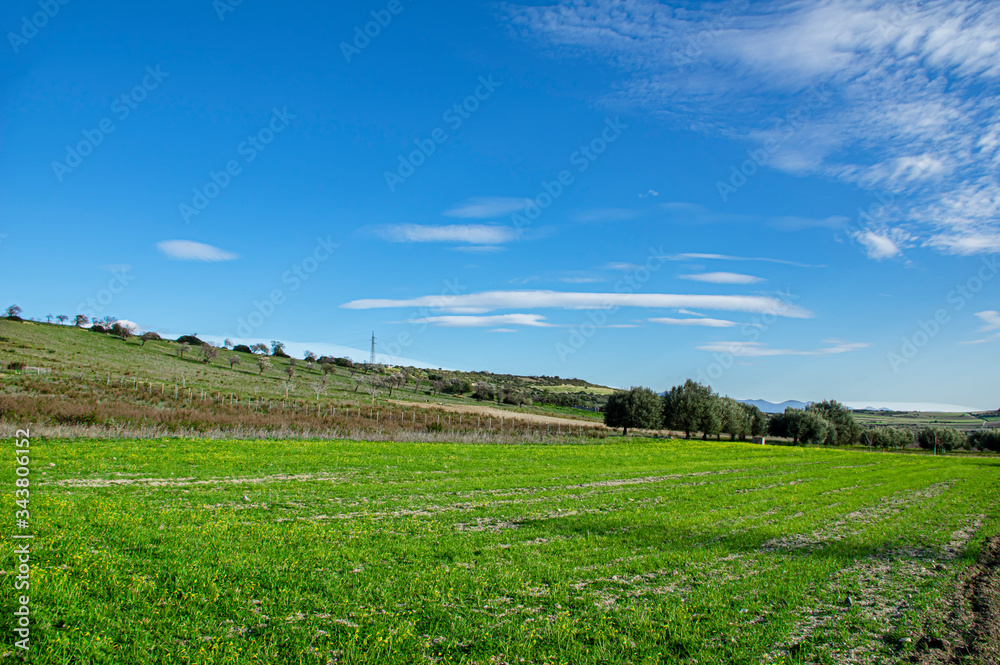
point(723, 278)
point(705, 322)
point(691, 256)
point(487, 207)
point(899, 97)
point(761, 350)
point(878, 246)
point(480, 303)
point(991, 318)
point(648, 193)
point(188, 250)
point(502, 330)
point(531, 320)
point(473, 234)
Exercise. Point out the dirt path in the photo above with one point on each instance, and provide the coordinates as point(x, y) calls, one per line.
point(974, 620)
point(491, 412)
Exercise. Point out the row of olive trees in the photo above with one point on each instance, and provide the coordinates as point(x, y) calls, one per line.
point(828, 422)
point(688, 408)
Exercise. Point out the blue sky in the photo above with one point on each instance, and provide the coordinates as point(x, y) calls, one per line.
point(787, 200)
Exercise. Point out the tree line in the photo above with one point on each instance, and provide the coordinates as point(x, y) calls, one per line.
point(695, 408)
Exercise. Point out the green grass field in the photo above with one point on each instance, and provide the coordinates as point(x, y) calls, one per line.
point(194, 551)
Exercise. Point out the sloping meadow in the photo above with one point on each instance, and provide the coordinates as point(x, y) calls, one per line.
point(180, 550)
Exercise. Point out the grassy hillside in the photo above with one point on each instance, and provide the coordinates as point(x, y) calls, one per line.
point(44, 366)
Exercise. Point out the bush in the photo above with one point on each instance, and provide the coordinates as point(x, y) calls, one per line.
point(15, 317)
point(242, 348)
point(343, 362)
point(189, 339)
point(457, 386)
point(98, 329)
point(947, 439)
point(16, 366)
point(280, 353)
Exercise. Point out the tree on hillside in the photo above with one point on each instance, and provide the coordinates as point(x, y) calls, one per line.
point(147, 337)
point(80, 320)
point(278, 349)
point(49, 317)
point(636, 407)
point(844, 429)
point(691, 408)
point(318, 387)
point(227, 343)
point(483, 391)
point(122, 330)
point(233, 360)
point(259, 347)
point(263, 362)
point(62, 318)
point(309, 356)
point(209, 352)
point(290, 371)
point(13, 310)
point(182, 349)
point(987, 439)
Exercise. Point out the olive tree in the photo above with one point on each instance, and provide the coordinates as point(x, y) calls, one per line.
point(636, 407)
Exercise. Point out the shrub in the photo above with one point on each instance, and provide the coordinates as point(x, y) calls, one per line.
point(242, 348)
point(457, 386)
point(98, 329)
point(16, 366)
point(15, 317)
point(189, 339)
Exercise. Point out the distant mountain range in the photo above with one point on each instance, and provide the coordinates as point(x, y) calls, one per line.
point(771, 407)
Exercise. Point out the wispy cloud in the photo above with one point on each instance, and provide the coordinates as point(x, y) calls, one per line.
point(992, 320)
point(723, 278)
point(704, 322)
point(690, 256)
point(761, 350)
point(189, 250)
point(911, 92)
point(487, 207)
point(488, 301)
point(473, 234)
point(531, 320)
